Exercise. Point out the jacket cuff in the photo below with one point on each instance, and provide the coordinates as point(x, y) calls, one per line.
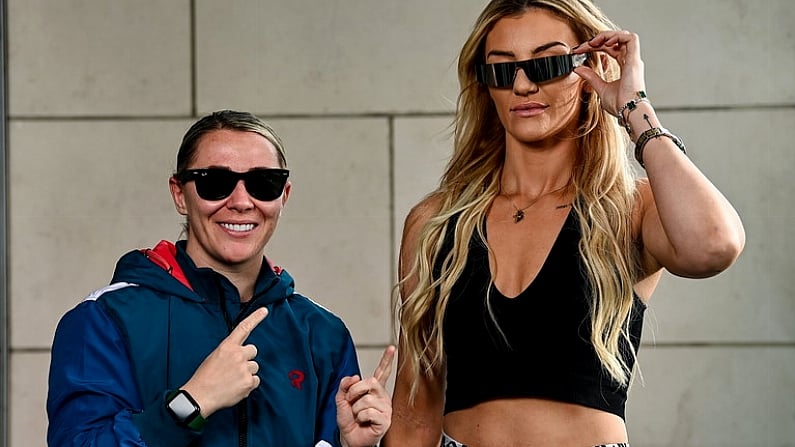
point(158, 428)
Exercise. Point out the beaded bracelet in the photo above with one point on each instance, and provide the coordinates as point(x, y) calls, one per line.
point(655, 132)
point(631, 105)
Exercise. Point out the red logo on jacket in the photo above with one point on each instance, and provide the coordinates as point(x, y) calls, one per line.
point(296, 378)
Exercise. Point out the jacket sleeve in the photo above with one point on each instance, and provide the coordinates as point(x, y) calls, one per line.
point(92, 393)
point(327, 429)
point(93, 398)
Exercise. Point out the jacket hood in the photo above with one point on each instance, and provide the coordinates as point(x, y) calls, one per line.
point(157, 268)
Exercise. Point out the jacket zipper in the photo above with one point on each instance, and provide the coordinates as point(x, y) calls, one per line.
point(241, 413)
point(242, 423)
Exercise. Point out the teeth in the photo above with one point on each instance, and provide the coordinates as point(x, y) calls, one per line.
point(238, 227)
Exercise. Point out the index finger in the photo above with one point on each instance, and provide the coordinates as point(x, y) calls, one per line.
point(384, 367)
point(240, 333)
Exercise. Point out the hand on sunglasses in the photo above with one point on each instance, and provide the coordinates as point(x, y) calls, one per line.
point(263, 184)
point(624, 47)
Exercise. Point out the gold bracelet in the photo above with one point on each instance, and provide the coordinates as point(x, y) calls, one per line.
point(655, 132)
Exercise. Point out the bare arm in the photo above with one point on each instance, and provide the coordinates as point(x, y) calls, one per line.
point(417, 423)
point(686, 225)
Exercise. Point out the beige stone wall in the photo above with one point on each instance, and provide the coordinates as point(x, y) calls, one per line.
point(362, 91)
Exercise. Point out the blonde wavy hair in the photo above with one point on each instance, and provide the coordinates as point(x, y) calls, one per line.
point(603, 185)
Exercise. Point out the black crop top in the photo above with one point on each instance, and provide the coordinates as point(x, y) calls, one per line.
point(545, 351)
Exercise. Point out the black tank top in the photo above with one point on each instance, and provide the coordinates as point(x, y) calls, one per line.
point(544, 350)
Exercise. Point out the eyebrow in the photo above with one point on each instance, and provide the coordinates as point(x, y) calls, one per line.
point(539, 49)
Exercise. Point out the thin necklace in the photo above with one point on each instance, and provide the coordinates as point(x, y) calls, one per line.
point(519, 214)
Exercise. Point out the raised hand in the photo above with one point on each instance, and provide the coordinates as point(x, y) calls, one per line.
point(364, 407)
point(229, 373)
point(624, 47)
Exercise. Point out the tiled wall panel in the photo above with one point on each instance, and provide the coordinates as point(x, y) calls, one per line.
point(97, 58)
point(713, 52)
point(721, 396)
point(28, 393)
point(307, 57)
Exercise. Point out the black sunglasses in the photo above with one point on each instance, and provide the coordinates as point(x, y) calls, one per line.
point(264, 184)
point(541, 69)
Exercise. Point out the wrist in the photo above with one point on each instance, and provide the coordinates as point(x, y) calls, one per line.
point(343, 443)
point(654, 133)
point(642, 119)
point(207, 406)
point(185, 410)
point(630, 121)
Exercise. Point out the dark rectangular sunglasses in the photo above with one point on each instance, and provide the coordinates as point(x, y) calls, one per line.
point(541, 69)
point(264, 184)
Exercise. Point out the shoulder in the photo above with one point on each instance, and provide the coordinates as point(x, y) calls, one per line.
point(425, 209)
point(87, 322)
point(316, 314)
point(95, 295)
point(125, 297)
point(413, 227)
point(420, 215)
point(95, 304)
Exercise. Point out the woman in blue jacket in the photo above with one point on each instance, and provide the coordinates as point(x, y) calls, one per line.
point(178, 351)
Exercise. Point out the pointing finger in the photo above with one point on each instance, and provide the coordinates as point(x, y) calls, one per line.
point(384, 367)
point(240, 333)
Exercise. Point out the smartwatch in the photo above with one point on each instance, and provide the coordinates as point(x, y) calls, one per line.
point(185, 410)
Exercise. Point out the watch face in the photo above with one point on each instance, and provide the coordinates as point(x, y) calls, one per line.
point(181, 406)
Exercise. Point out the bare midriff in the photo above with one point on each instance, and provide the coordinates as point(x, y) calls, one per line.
point(527, 422)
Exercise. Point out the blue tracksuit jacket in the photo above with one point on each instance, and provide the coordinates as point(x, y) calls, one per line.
point(117, 355)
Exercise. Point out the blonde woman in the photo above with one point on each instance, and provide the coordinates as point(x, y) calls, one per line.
point(525, 275)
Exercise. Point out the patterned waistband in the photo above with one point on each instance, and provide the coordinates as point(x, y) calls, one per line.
point(450, 442)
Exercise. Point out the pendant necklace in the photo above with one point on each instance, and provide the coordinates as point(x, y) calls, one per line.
point(519, 214)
